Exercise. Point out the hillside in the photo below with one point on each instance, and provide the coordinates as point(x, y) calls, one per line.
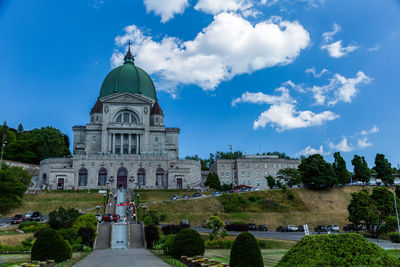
point(271, 207)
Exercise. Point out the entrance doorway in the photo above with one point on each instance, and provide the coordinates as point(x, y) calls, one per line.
point(179, 183)
point(60, 184)
point(122, 178)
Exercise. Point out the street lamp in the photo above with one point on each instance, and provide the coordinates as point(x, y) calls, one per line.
point(3, 144)
point(397, 214)
point(97, 209)
point(144, 211)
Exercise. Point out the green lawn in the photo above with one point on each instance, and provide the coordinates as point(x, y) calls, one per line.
point(14, 260)
point(270, 256)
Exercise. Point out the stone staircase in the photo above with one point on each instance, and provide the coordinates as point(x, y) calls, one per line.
point(136, 236)
point(104, 236)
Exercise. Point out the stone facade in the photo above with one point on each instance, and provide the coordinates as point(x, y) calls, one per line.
point(251, 170)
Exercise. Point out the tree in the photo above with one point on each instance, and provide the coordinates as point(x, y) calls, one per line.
point(216, 224)
point(373, 211)
point(51, 246)
point(383, 169)
point(62, 218)
point(85, 221)
point(13, 184)
point(20, 129)
point(316, 173)
point(340, 169)
point(246, 252)
point(366, 173)
point(152, 234)
point(271, 181)
point(213, 181)
point(290, 176)
point(187, 242)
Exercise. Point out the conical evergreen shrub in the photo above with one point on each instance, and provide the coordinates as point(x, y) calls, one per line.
point(246, 252)
point(50, 245)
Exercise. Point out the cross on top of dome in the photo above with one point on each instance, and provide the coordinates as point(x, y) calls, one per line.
point(129, 57)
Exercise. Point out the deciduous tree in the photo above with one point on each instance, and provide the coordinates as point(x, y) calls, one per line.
point(383, 169)
point(316, 173)
point(340, 169)
point(290, 176)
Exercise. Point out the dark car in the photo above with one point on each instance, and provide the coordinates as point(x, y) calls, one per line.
point(234, 191)
point(262, 227)
point(321, 228)
point(352, 228)
point(186, 196)
point(300, 228)
point(282, 228)
point(18, 218)
point(36, 216)
point(197, 195)
point(252, 227)
point(174, 197)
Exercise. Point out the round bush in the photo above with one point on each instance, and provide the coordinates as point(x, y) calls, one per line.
point(152, 235)
point(187, 242)
point(245, 252)
point(51, 246)
point(337, 250)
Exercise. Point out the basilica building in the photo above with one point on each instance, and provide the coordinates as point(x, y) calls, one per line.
point(126, 143)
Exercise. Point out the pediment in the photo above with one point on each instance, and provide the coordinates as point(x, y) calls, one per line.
point(126, 98)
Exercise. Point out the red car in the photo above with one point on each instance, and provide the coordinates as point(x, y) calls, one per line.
point(18, 218)
point(110, 217)
point(115, 217)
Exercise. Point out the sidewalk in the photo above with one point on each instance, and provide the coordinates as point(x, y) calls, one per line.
point(139, 257)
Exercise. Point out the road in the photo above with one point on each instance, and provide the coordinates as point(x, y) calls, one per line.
point(296, 236)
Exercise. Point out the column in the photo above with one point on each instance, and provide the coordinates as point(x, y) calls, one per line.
point(129, 144)
point(137, 143)
point(122, 143)
point(113, 143)
point(109, 143)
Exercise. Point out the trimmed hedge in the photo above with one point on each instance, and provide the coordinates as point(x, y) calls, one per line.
point(50, 245)
point(349, 249)
point(172, 229)
point(152, 235)
point(246, 252)
point(187, 242)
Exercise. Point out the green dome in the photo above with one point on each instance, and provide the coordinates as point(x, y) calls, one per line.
point(128, 78)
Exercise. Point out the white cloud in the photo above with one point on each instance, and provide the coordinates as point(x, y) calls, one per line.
point(342, 146)
point(374, 129)
point(166, 8)
point(282, 112)
point(214, 56)
point(373, 49)
point(311, 151)
point(362, 143)
point(344, 89)
point(217, 6)
point(335, 49)
point(316, 74)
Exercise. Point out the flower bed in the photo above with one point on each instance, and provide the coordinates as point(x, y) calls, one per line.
point(48, 263)
point(199, 261)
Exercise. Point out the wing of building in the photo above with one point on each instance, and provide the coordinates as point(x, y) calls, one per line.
point(126, 143)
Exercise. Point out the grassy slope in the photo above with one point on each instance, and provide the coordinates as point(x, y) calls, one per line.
point(311, 207)
point(49, 201)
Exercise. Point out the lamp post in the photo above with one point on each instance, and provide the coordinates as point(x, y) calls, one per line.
point(3, 144)
point(144, 211)
point(97, 209)
point(397, 213)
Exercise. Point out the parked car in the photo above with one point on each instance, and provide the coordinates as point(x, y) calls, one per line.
point(333, 228)
point(28, 215)
point(107, 218)
point(292, 228)
point(186, 196)
point(320, 228)
point(18, 218)
point(352, 228)
point(197, 195)
point(185, 222)
point(217, 194)
point(300, 228)
point(252, 227)
point(36, 216)
point(234, 191)
point(174, 197)
point(262, 227)
point(282, 228)
point(115, 217)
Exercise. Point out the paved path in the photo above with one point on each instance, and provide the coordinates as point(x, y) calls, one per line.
point(121, 257)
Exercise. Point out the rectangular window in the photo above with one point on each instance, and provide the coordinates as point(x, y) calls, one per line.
point(227, 174)
point(126, 117)
point(266, 166)
point(94, 138)
point(242, 173)
point(156, 139)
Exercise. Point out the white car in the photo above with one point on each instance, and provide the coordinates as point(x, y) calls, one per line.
point(292, 228)
point(28, 215)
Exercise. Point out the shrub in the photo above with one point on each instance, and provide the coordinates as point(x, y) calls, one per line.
point(71, 235)
point(28, 242)
point(169, 241)
point(148, 220)
point(187, 242)
point(87, 234)
point(62, 218)
point(34, 228)
point(86, 221)
point(246, 252)
point(152, 235)
point(233, 203)
point(51, 245)
point(223, 244)
point(394, 237)
point(77, 247)
point(25, 224)
point(290, 195)
point(337, 250)
point(171, 229)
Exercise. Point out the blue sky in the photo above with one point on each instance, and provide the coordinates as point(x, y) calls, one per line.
point(296, 76)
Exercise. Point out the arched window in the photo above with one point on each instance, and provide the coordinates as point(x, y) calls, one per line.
point(83, 177)
point(141, 174)
point(126, 117)
point(122, 178)
point(102, 177)
point(160, 177)
point(44, 177)
point(122, 172)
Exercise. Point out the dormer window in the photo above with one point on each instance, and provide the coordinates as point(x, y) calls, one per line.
point(126, 117)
